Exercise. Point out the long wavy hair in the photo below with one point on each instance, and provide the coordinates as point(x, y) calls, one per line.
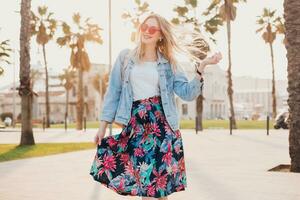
point(176, 41)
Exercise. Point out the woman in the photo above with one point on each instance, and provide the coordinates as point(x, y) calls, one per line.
point(146, 159)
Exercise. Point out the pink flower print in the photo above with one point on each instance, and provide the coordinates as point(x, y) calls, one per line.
point(167, 158)
point(147, 132)
point(175, 169)
point(161, 180)
point(151, 190)
point(123, 142)
point(158, 115)
point(156, 129)
point(112, 142)
point(155, 100)
point(177, 134)
point(148, 106)
point(129, 168)
point(134, 191)
point(180, 187)
point(124, 158)
point(137, 176)
point(139, 152)
point(122, 184)
point(181, 164)
point(144, 101)
point(98, 161)
point(177, 148)
point(167, 128)
point(148, 128)
point(109, 164)
point(142, 113)
point(132, 120)
point(137, 129)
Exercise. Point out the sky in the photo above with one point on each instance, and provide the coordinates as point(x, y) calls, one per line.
point(250, 54)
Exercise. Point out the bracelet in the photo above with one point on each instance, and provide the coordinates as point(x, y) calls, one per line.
point(200, 73)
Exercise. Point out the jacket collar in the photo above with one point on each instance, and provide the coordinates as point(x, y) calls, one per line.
point(160, 58)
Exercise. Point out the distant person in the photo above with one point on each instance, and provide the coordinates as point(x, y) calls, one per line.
point(146, 158)
point(7, 121)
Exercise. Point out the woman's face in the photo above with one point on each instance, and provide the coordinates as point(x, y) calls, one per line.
point(150, 34)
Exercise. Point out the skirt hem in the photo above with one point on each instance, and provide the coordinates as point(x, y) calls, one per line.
point(130, 194)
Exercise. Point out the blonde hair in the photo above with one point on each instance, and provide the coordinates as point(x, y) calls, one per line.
point(174, 41)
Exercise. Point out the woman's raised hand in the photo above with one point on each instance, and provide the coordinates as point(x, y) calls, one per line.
point(214, 59)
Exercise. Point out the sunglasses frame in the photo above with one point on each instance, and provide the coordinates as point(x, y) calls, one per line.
point(151, 29)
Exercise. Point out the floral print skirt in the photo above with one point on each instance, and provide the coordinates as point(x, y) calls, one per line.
point(146, 158)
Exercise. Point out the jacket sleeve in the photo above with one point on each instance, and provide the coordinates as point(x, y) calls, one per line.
point(112, 94)
point(185, 89)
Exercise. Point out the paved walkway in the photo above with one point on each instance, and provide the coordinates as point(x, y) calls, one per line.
point(219, 166)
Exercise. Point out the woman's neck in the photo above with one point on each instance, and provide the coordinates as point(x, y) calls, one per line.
point(150, 53)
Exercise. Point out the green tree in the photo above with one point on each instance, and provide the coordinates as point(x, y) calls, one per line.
point(68, 80)
point(270, 25)
point(135, 16)
point(187, 15)
point(4, 54)
point(86, 32)
point(43, 26)
point(292, 27)
point(225, 11)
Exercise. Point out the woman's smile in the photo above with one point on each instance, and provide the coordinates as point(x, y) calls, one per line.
point(147, 37)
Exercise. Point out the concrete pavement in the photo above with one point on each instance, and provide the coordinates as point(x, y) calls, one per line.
point(219, 166)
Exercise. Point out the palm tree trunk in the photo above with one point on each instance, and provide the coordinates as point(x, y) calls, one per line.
point(25, 90)
point(292, 25)
point(199, 109)
point(67, 104)
point(229, 89)
point(47, 90)
point(80, 104)
point(274, 113)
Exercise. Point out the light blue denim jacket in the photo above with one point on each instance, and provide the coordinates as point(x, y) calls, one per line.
point(118, 98)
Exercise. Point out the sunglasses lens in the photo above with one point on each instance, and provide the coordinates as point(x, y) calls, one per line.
point(144, 27)
point(152, 30)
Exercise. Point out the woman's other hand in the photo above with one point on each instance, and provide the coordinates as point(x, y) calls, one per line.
point(100, 133)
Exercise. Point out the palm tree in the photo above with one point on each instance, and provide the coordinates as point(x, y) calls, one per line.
point(134, 17)
point(86, 32)
point(68, 80)
point(268, 22)
point(187, 15)
point(225, 11)
point(25, 90)
point(4, 54)
point(44, 27)
point(292, 27)
point(100, 83)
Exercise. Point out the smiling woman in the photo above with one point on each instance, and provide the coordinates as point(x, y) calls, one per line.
point(146, 158)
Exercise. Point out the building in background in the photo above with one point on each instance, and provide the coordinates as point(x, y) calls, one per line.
point(252, 96)
point(215, 105)
point(57, 97)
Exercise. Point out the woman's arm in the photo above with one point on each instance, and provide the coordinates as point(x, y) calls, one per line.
point(112, 95)
point(185, 89)
point(188, 91)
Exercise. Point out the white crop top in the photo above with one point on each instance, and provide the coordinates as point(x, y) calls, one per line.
point(144, 80)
